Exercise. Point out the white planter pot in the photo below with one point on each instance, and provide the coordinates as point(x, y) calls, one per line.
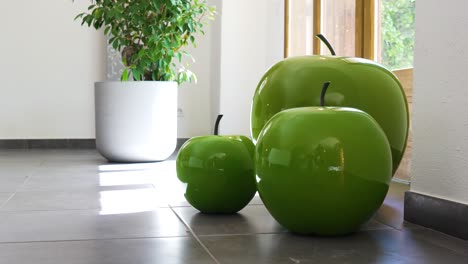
point(136, 121)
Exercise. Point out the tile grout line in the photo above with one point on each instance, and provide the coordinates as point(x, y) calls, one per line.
point(385, 224)
point(7, 200)
point(401, 230)
point(195, 236)
point(247, 234)
point(26, 179)
point(63, 210)
point(88, 239)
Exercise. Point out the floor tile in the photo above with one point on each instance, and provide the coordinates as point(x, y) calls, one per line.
point(17, 169)
point(4, 197)
point(88, 224)
point(107, 175)
point(43, 154)
point(73, 206)
point(382, 246)
point(250, 220)
point(142, 251)
point(440, 239)
point(60, 180)
point(391, 212)
point(15, 154)
point(101, 165)
point(115, 198)
point(11, 183)
point(253, 219)
point(19, 161)
point(256, 200)
point(373, 224)
point(180, 201)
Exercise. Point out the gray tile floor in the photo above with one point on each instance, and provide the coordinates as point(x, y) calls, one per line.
point(59, 206)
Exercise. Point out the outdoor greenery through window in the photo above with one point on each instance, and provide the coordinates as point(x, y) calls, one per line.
point(396, 38)
point(389, 40)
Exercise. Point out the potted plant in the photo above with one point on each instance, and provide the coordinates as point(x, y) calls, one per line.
point(136, 118)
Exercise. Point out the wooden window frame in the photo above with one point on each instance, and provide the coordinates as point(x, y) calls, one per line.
point(365, 28)
point(365, 48)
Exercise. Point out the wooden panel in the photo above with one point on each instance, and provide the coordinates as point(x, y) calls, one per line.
point(368, 29)
point(406, 78)
point(286, 28)
point(365, 23)
point(317, 25)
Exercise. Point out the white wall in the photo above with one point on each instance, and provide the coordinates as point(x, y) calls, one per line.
point(252, 39)
point(50, 63)
point(48, 66)
point(199, 101)
point(194, 98)
point(215, 64)
point(440, 157)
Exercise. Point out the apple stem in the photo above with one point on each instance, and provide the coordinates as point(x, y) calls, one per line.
point(216, 128)
point(326, 42)
point(324, 91)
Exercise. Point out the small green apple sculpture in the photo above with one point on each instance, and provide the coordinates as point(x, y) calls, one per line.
point(219, 172)
point(322, 170)
point(357, 83)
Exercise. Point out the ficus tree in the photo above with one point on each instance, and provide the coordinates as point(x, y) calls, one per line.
point(151, 35)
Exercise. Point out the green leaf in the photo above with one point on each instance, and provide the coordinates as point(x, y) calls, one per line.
point(136, 75)
point(107, 29)
point(124, 76)
point(79, 16)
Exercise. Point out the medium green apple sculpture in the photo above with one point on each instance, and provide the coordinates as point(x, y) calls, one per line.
point(219, 172)
point(322, 170)
point(357, 83)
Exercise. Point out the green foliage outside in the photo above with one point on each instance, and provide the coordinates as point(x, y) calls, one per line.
point(151, 34)
point(397, 33)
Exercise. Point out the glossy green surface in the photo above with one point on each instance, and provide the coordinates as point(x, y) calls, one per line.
point(322, 170)
point(355, 82)
point(219, 172)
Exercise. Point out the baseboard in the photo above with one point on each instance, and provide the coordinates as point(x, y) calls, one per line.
point(48, 144)
point(58, 143)
point(442, 215)
point(180, 142)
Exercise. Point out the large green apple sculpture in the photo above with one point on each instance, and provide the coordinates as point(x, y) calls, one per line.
point(219, 172)
point(357, 83)
point(322, 170)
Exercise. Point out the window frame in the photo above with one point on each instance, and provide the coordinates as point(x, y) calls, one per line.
point(365, 28)
point(365, 48)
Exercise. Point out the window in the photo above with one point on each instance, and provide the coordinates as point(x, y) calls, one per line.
point(380, 30)
point(337, 23)
point(299, 31)
point(395, 33)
